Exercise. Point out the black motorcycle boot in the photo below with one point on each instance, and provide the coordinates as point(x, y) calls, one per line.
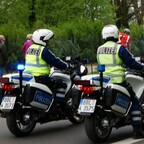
point(138, 133)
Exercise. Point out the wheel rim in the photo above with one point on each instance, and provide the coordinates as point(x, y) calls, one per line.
point(24, 120)
point(101, 130)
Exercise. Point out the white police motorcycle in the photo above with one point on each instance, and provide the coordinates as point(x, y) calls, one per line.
point(26, 102)
point(106, 105)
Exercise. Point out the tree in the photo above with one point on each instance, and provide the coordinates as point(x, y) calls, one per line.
point(80, 22)
point(32, 15)
point(99, 10)
point(54, 12)
point(139, 11)
point(14, 11)
point(128, 11)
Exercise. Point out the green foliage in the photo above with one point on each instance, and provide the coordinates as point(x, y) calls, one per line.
point(99, 10)
point(15, 11)
point(85, 34)
point(137, 40)
point(77, 25)
point(54, 12)
point(15, 37)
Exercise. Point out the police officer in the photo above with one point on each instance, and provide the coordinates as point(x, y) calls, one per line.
point(39, 58)
point(3, 55)
point(113, 56)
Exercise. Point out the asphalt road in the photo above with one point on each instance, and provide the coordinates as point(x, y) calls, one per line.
point(64, 132)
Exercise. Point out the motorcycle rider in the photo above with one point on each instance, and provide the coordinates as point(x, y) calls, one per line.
point(39, 58)
point(114, 56)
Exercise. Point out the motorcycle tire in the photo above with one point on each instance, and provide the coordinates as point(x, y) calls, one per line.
point(17, 122)
point(94, 130)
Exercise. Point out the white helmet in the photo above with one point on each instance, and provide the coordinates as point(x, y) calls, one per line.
point(41, 36)
point(126, 30)
point(110, 31)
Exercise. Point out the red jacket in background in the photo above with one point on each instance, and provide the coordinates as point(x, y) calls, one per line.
point(125, 40)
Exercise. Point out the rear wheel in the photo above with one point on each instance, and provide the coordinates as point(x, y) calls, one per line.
point(20, 121)
point(97, 128)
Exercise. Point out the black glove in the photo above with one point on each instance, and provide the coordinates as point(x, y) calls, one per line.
point(69, 69)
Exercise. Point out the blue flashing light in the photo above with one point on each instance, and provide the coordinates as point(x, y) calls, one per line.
point(101, 68)
point(20, 67)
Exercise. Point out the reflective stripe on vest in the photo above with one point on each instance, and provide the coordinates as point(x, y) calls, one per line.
point(107, 54)
point(34, 63)
point(127, 41)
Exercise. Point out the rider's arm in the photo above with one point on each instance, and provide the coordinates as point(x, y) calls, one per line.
point(129, 60)
point(52, 60)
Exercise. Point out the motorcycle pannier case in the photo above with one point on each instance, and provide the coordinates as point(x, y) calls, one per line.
point(37, 95)
point(117, 98)
point(76, 96)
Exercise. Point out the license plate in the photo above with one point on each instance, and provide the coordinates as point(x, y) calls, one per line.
point(87, 106)
point(8, 102)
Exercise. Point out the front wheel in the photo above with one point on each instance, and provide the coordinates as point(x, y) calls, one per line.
point(97, 128)
point(20, 122)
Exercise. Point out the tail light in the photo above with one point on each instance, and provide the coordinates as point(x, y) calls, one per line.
point(87, 89)
point(9, 87)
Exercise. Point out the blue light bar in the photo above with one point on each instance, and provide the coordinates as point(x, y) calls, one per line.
point(101, 68)
point(20, 67)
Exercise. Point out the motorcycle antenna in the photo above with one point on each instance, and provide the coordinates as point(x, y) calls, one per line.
point(20, 68)
point(101, 69)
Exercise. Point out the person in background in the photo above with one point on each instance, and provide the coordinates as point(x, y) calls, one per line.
point(27, 44)
point(3, 55)
point(113, 56)
point(3, 60)
point(39, 58)
point(125, 39)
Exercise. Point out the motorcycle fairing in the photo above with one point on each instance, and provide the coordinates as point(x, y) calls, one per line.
point(117, 98)
point(61, 92)
point(95, 79)
point(38, 95)
point(41, 99)
point(137, 84)
point(14, 77)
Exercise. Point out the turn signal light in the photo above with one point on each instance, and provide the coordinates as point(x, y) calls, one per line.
point(7, 87)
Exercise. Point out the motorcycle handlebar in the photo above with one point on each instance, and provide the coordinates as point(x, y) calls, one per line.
point(135, 72)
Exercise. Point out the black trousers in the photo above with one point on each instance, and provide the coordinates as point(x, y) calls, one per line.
point(136, 107)
point(44, 79)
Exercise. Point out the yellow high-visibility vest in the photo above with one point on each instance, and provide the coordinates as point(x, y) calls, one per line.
point(34, 63)
point(107, 54)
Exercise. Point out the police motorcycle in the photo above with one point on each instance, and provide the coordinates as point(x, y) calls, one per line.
point(106, 105)
point(28, 103)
